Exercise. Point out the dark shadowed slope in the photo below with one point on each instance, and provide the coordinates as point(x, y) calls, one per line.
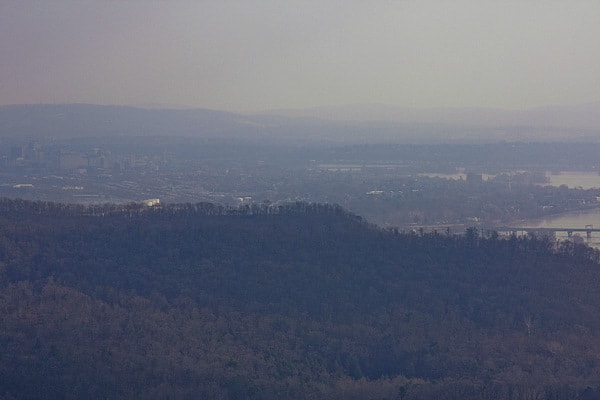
point(297, 301)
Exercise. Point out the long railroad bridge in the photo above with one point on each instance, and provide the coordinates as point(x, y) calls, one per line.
point(589, 229)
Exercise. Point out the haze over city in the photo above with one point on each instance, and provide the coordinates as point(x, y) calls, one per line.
point(263, 55)
point(261, 199)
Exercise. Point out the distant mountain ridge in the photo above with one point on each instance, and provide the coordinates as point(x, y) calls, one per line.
point(81, 120)
point(582, 116)
point(354, 123)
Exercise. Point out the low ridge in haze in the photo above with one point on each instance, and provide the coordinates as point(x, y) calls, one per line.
point(358, 123)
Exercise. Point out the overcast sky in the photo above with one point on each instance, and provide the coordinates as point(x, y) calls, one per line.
point(254, 55)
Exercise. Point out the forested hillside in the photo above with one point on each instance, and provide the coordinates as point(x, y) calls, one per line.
point(302, 301)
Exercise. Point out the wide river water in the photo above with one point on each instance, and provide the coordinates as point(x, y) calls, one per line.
point(579, 219)
point(570, 220)
point(572, 179)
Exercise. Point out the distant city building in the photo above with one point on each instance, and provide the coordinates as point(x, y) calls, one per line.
point(71, 161)
point(33, 152)
point(242, 201)
point(17, 152)
point(151, 202)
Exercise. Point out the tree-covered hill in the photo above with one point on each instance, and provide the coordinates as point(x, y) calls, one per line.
point(298, 301)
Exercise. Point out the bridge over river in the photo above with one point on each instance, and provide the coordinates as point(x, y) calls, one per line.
point(589, 229)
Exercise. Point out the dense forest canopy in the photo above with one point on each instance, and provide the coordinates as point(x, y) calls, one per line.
point(290, 301)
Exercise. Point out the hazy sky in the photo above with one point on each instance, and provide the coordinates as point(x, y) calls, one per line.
point(253, 55)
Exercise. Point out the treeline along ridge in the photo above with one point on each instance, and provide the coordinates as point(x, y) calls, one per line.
point(292, 301)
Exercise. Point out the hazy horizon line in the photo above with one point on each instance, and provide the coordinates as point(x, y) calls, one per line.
point(380, 105)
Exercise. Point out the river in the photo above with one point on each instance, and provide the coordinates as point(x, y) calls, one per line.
point(575, 219)
point(575, 179)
